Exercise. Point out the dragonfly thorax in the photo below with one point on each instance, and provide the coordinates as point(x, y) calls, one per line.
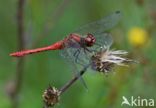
point(90, 40)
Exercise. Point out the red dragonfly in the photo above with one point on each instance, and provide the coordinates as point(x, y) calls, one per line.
point(90, 31)
point(77, 47)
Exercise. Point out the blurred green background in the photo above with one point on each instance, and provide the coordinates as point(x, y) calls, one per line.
point(47, 21)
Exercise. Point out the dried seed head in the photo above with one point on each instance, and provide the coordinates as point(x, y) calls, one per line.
point(51, 96)
point(105, 59)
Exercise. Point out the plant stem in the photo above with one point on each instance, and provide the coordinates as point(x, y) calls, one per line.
point(73, 80)
point(21, 44)
point(63, 88)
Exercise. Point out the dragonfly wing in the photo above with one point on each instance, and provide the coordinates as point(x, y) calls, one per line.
point(75, 52)
point(102, 25)
point(104, 40)
point(70, 54)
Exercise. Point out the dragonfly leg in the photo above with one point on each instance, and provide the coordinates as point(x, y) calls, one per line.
point(76, 55)
point(77, 59)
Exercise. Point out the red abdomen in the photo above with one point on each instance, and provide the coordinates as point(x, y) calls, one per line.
point(55, 46)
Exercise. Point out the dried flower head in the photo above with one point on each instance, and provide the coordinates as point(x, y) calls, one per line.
point(51, 96)
point(105, 59)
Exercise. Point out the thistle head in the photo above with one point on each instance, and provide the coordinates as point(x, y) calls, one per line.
point(105, 59)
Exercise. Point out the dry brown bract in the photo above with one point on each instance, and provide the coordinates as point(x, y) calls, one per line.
point(51, 96)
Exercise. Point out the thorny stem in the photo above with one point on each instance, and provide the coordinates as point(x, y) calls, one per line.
point(20, 62)
point(73, 80)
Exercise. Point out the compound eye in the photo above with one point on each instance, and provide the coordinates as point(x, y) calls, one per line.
point(93, 40)
point(90, 35)
point(90, 39)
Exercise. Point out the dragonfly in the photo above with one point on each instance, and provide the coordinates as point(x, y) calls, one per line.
point(85, 36)
point(78, 46)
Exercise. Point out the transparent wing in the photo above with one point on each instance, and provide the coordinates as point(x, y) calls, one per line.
point(102, 25)
point(104, 40)
point(71, 55)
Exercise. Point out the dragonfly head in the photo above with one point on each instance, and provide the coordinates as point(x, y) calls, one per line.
point(90, 40)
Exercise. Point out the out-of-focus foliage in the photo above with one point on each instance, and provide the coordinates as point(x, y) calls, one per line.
point(47, 21)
